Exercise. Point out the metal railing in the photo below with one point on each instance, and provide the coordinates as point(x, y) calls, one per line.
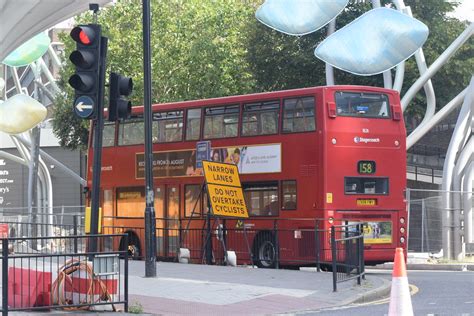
point(286, 241)
point(425, 174)
point(347, 246)
point(276, 243)
point(430, 219)
point(428, 150)
point(65, 276)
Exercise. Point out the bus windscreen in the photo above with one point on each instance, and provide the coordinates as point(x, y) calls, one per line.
point(362, 104)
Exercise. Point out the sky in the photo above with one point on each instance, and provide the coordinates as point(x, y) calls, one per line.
point(465, 10)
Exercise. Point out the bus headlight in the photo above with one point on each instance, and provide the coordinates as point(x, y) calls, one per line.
point(402, 230)
point(397, 143)
point(334, 141)
point(402, 220)
point(402, 240)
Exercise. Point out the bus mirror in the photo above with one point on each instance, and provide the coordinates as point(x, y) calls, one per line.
point(331, 109)
point(396, 113)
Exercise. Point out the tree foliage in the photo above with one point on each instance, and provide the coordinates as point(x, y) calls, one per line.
point(198, 51)
point(212, 48)
point(455, 75)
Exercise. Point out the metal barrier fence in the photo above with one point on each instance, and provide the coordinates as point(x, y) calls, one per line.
point(18, 223)
point(67, 277)
point(426, 226)
point(276, 243)
point(425, 174)
point(347, 246)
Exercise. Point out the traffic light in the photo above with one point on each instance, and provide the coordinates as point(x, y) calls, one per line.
point(119, 87)
point(88, 59)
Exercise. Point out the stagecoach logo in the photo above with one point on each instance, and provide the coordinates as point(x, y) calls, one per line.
point(358, 139)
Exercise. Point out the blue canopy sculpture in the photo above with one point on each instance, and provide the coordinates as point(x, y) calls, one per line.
point(29, 51)
point(373, 43)
point(299, 17)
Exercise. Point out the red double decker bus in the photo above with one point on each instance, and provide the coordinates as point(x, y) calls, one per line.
point(332, 153)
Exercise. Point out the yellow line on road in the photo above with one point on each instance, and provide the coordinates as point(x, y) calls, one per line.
point(413, 290)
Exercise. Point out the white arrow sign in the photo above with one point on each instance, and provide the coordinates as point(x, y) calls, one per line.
point(81, 106)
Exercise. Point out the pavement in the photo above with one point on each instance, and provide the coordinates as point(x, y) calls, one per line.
point(190, 289)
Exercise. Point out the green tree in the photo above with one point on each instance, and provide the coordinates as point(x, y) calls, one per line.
point(455, 75)
point(211, 48)
point(198, 51)
point(281, 61)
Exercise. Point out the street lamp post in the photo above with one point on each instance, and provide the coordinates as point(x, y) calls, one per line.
point(150, 223)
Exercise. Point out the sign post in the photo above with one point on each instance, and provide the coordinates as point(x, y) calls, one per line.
point(150, 216)
point(203, 152)
point(225, 196)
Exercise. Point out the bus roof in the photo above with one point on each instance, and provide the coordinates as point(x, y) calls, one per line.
point(253, 96)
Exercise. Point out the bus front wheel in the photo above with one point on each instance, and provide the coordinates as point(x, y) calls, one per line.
point(265, 251)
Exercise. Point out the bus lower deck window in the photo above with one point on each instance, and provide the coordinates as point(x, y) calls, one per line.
point(361, 185)
point(192, 202)
point(262, 198)
point(288, 190)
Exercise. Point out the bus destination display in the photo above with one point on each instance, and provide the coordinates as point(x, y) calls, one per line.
point(366, 167)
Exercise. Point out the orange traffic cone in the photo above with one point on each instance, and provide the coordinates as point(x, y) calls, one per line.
point(400, 300)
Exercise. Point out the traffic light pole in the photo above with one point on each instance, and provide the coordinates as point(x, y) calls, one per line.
point(150, 222)
point(97, 159)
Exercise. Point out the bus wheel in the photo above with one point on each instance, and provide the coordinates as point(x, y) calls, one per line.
point(265, 251)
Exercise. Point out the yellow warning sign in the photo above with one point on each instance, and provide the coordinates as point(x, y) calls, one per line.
point(223, 187)
point(227, 201)
point(221, 173)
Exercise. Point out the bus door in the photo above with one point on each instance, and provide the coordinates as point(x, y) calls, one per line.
point(167, 203)
point(107, 212)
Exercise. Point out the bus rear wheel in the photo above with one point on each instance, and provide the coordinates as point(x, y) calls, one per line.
point(265, 251)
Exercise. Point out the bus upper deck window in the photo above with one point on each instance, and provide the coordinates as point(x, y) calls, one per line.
point(362, 104)
point(193, 124)
point(108, 135)
point(299, 115)
point(131, 132)
point(170, 126)
point(260, 118)
point(221, 122)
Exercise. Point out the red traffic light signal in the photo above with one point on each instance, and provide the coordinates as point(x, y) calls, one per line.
point(88, 59)
point(85, 35)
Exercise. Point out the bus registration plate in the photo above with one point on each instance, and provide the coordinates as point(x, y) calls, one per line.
point(366, 202)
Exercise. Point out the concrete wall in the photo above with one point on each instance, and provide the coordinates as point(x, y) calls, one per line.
point(14, 179)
